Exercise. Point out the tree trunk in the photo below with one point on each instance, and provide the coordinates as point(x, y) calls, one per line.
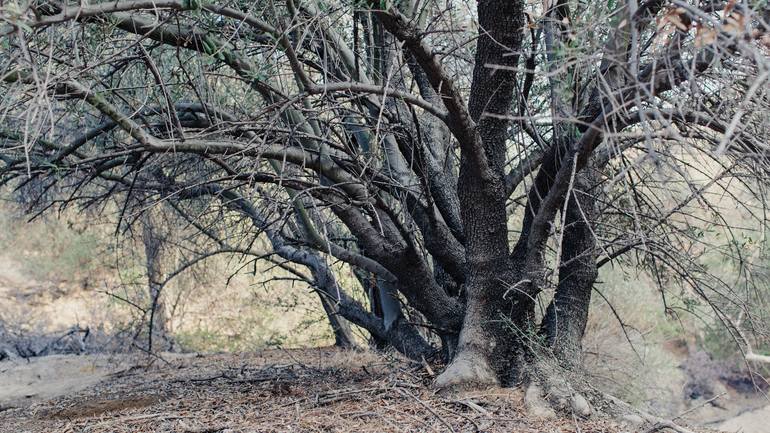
point(404, 337)
point(157, 337)
point(567, 314)
point(343, 334)
point(486, 344)
point(399, 333)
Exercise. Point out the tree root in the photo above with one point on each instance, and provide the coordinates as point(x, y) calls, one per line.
point(467, 370)
point(549, 391)
point(546, 396)
point(625, 411)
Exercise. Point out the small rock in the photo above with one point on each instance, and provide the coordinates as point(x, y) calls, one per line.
point(580, 406)
point(535, 403)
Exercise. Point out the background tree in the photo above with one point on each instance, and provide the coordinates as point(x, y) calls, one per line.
point(340, 132)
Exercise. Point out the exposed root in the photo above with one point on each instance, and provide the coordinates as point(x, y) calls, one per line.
point(536, 404)
point(549, 394)
point(467, 370)
point(625, 412)
point(549, 391)
point(545, 397)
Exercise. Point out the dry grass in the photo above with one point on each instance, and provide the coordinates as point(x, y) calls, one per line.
point(310, 390)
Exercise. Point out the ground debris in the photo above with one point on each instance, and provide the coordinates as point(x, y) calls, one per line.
point(308, 390)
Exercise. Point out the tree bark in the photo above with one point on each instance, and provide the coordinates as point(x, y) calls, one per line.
point(485, 347)
point(566, 316)
point(398, 332)
point(343, 335)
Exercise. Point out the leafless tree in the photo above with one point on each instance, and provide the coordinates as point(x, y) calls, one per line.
point(464, 162)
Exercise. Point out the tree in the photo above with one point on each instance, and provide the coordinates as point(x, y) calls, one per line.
point(340, 133)
point(153, 242)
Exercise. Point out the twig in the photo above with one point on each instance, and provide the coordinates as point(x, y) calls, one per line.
point(693, 409)
point(472, 405)
point(206, 429)
point(428, 408)
point(430, 371)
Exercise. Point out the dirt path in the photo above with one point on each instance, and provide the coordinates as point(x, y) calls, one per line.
point(39, 379)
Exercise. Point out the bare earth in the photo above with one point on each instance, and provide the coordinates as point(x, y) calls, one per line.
point(754, 421)
point(310, 390)
point(44, 378)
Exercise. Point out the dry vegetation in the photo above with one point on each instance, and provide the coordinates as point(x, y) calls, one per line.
point(293, 390)
point(552, 203)
point(60, 272)
point(309, 390)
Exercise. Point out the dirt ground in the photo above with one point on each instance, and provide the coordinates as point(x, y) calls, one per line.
point(44, 378)
point(310, 390)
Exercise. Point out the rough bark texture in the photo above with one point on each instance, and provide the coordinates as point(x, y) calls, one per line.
point(484, 350)
point(397, 332)
point(370, 150)
point(566, 316)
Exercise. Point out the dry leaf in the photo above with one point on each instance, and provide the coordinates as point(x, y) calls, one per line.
point(704, 36)
point(673, 16)
point(735, 24)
